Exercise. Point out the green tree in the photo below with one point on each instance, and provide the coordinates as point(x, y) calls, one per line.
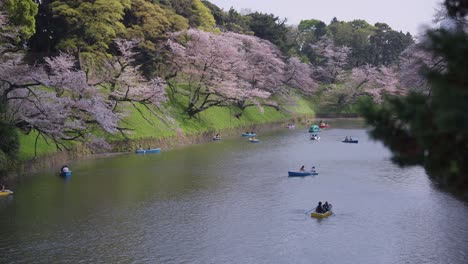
point(90, 26)
point(431, 130)
point(196, 12)
point(21, 14)
point(204, 18)
point(149, 23)
point(218, 14)
point(271, 28)
point(386, 45)
point(235, 22)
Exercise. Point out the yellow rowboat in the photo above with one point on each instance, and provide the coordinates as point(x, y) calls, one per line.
point(319, 215)
point(5, 192)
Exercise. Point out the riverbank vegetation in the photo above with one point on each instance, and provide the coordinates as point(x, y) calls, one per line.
point(430, 128)
point(92, 73)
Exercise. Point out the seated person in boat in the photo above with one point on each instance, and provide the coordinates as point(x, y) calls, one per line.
point(326, 207)
point(64, 169)
point(140, 148)
point(350, 139)
point(346, 138)
point(217, 136)
point(302, 169)
point(319, 208)
point(2, 188)
point(313, 170)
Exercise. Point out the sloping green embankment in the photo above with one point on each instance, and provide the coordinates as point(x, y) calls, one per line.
point(169, 122)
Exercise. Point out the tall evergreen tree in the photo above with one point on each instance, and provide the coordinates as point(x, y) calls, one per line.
point(431, 129)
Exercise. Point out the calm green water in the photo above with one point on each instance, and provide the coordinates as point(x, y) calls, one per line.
point(232, 202)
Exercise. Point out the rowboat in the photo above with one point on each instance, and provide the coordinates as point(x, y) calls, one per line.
point(147, 151)
point(324, 126)
point(65, 174)
point(314, 129)
point(249, 134)
point(301, 173)
point(315, 138)
point(254, 140)
point(319, 215)
point(322, 215)
point(216, 138)
point(350, 141)
point(5, 192)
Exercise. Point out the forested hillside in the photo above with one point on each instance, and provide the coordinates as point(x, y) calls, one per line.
point(81, 71)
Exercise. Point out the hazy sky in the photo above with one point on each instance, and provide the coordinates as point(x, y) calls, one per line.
point(404, 15)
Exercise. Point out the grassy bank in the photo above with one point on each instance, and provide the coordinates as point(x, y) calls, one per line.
point(170, 126)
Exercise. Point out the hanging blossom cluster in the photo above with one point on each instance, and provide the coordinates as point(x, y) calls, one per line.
point(53, 99)
point(56, 99)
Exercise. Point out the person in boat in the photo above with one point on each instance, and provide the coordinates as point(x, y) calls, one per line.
point(140, 148)
point(302, 169)
point(64, 169)
point(319, 208)
point(313, 170)
point(346, 138)
point(350, 139)
point(326, 207)
point(2, 188)
point(217, 136)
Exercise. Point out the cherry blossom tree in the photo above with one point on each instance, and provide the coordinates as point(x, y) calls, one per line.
point(58, 101)
point(229, 69)
point(365, 80)
point(330, 60)
point(415, 61)
point(300, 75)
point(53, 99)
point(127, 84)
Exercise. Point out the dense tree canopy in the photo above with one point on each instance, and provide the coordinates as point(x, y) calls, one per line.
point(91, 25)
point(271, 28)
point(431, 129)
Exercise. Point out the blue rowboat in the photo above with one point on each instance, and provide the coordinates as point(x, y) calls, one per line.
point(350, 141)
point(147, 151)
point(65, 174)
point(301, 173)
point(249, 135)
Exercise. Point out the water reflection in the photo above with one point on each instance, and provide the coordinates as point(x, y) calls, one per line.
point(232, 202)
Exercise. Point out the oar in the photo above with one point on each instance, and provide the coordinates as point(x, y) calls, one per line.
point(310, 211)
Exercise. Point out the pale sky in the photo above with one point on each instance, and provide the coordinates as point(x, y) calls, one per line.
point(404, 15)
